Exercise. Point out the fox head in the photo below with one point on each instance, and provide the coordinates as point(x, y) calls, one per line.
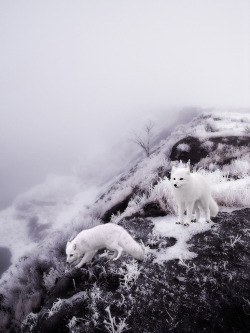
point(72, 252)
point(179, 176)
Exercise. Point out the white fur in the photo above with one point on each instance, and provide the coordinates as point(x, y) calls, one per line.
point(192, 193)
point(110, 236)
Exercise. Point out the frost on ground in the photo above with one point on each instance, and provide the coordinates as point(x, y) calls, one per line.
point(199, 273)
point(206, 293)
point(166, 226)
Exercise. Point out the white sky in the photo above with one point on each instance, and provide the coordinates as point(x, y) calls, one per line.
point(77, 76)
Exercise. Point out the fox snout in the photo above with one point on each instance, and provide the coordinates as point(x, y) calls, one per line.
point(175, 185)
point(69, 260)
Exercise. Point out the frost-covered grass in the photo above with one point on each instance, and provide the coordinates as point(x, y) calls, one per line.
point(239, 167)
point(160, 193)
point(49, 279)
point(29, 323)
point(209, 125)
point(216, 124)
point(72, 325)
point(130, 274)
point(225, 190)
point(112, 326)
point(62, 200)
point(55, 307)
point(62, 208)
point(233, 193)
point(195, 290)
point(138, 184)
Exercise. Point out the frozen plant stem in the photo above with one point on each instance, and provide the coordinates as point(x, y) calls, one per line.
point(55, 307)
point(187, 266)
point(110, 319)
point(111, 326)
point(74, 283)
point(234, 241)
point(131, 274)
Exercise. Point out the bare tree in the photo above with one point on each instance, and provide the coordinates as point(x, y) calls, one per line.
point(144, 141)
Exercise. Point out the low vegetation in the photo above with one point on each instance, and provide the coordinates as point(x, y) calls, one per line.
point(208, 293)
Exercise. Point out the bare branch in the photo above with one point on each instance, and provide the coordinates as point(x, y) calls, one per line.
point(144, 142)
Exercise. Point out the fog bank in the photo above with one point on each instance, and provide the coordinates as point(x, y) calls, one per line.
point(77, 77)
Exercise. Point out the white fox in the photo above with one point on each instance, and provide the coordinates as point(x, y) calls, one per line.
point(192, 192)
point(110, 236)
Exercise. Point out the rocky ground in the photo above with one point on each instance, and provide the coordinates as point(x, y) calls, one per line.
point(209, 293)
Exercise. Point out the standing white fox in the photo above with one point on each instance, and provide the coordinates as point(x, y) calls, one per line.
point(110, 236)
point(192, 193)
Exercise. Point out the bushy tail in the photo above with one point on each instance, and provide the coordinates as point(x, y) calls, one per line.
point(131, 246)
point(213, 207)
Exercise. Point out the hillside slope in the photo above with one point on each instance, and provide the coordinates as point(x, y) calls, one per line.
point(193, 278)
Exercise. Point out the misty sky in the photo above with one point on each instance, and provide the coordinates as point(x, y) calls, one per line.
point(77, 76)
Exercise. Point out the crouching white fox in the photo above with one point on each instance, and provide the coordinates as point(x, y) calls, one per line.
point(109, 236)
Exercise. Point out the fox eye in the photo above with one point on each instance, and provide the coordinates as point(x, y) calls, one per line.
point(181, 178)
point(71, 255)
point(174, 178)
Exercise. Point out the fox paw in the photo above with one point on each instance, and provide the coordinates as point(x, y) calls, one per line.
point(194, 220)
point(178, 222)
point(186, 224)
point(208, 221)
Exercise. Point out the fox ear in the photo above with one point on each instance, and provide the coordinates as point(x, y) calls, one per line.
point(188, 171)
point(173, 168)
point(74, 247)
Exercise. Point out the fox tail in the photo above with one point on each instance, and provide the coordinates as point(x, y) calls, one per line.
point(131, 246)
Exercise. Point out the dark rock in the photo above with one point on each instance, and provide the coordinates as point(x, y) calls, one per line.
point(153, 209)
point(237, 141)
point(57, 323)
point(229, 142)
point(63, 288)
point(119, 207)
point(138, 227)
point(209, 293)
point(195, 153)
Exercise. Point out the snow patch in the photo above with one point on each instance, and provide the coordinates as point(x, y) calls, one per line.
point(167, 227)
point(183, 147)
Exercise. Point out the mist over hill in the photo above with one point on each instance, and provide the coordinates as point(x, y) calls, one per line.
point(192, 278)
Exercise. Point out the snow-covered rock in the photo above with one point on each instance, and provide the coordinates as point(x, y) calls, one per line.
point(37, 226)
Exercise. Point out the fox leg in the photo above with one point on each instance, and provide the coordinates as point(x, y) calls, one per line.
point(114, 255)
point(117, 249)
point(205, 207)
point(86, 258)
point(197, 213)
point(120, 250)
point(181, 209)
point(207, 214)
point(190, 207)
